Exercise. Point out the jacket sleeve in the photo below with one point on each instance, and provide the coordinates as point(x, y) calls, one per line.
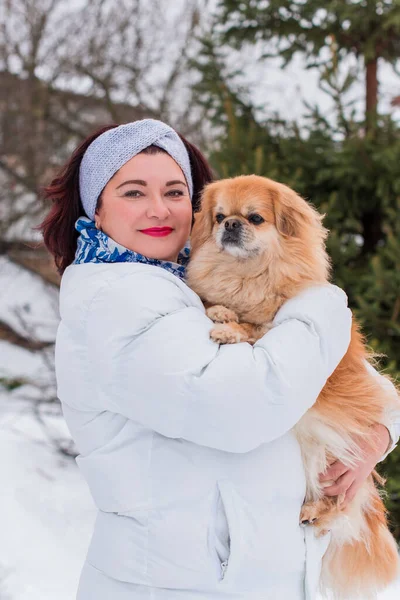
point(152, 360)
point(391, 416)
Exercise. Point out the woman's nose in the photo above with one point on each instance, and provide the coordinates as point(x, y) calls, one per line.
point(157, 208)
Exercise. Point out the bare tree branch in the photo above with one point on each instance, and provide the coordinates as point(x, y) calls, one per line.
point(8, 334)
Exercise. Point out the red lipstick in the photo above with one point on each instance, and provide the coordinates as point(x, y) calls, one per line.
point(157, 231)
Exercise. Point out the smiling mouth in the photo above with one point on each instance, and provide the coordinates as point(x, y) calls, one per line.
point(157, 231)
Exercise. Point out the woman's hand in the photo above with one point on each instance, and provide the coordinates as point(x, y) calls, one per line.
point(348, 480)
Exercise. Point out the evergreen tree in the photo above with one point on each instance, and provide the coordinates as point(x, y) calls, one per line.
point(367, 29)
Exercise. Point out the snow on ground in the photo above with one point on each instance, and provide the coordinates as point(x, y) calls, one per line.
point(46, 511)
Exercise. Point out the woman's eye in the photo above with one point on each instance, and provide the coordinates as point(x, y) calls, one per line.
point(175, 193)
point(256, 219)
point(219, 217)
point(133, 193)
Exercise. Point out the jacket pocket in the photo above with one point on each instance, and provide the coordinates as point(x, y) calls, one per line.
point(266, 550)
point(219, 537)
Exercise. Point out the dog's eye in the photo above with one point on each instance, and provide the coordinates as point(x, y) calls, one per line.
point(219, 217)
point(256, 219)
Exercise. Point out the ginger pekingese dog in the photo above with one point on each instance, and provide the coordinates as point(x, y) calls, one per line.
point(256, 243)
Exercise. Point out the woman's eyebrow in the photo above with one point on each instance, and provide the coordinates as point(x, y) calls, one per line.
point(144, 183)
point(175, 181)
point(137, 181)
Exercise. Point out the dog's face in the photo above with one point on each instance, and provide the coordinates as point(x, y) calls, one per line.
point(242, 217)
point(249, 216)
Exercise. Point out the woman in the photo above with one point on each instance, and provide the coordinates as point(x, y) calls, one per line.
point(186, 446)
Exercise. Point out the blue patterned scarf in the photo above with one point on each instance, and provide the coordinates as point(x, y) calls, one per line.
point(97, 247)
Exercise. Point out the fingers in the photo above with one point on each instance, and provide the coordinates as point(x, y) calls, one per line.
point(336, 470)
point(347, 481)
point(341, 485)
point(351, 492)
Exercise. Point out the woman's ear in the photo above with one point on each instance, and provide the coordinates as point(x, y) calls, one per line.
point(293, 214)
point(203, 220)
point(97, 218)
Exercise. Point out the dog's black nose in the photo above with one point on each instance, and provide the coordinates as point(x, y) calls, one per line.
point(232, 224)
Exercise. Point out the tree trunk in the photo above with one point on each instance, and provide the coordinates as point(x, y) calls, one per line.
point(371, 103)
point(371, 223)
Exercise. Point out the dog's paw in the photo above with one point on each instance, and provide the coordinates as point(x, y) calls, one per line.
point(228, 333)
point(309, 513)
point(321, 514)
point(221, 314)
point(313, 512)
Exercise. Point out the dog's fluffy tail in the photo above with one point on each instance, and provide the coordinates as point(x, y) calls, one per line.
point(362, 567)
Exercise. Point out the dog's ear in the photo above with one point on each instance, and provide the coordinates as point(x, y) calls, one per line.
point(203, 220)
point(293, 214)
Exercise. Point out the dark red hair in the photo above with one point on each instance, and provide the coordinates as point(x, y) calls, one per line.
point(58, 227)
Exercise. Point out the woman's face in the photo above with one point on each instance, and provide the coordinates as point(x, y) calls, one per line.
point(149, 192)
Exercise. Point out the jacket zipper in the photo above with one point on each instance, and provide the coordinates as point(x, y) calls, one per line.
point(224, 566)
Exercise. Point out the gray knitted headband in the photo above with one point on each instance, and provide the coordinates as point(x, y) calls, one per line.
point(113, 148)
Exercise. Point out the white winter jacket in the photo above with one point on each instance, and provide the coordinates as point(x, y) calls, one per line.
point(186, 445)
